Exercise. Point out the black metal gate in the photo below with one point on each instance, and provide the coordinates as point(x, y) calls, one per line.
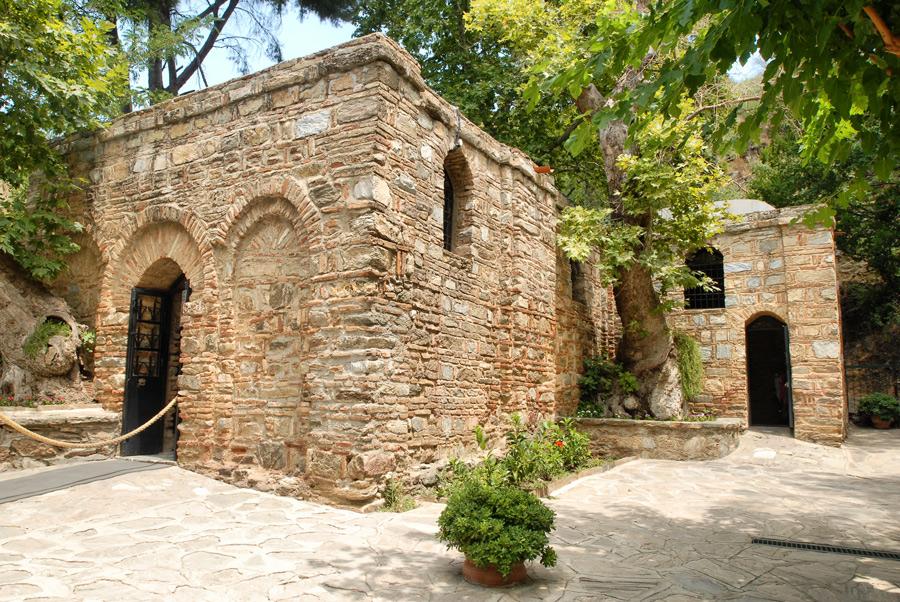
point(145, 374)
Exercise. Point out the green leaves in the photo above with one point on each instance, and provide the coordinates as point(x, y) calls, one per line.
point(57, 74)
point(665, 209)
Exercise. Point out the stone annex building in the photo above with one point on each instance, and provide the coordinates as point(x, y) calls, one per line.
point(339, 276)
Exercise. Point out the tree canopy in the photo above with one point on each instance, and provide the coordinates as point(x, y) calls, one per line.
point(831, 65)
point(57, 74)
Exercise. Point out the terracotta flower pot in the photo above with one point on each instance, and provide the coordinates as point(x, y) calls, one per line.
point(881, 423)
point(491, 577)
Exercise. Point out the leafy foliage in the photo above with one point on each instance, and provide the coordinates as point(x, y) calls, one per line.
point(395, 499)
point(690, 365)
point(602, 379)
point(866, 226)
point(496, 525)
point(827, 66)
point(57, 74)
point(882, 405)
point(35, 230)
point(484, 76)
point(36, 343)
point(530, 458)
point(667, 209)
point(169, 40)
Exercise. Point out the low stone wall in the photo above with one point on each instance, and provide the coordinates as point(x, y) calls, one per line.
point(86, 423)
point(665, 440)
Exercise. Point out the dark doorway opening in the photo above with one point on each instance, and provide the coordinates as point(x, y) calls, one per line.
point(769, 373)
point(153, 365)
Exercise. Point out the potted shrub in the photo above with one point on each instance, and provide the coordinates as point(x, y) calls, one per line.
point(497, 526)
point(881, 408)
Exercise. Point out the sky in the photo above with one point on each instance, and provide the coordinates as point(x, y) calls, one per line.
point(298, 38)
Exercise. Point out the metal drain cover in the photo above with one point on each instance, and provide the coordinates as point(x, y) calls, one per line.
point(829, 549)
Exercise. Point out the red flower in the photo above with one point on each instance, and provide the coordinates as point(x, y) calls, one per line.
point(559, 443)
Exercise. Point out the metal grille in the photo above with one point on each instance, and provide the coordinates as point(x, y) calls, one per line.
point(711, 263)
point(828, 549)
point(862, 379)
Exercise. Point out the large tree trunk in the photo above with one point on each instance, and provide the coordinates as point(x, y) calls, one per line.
point(646, 348)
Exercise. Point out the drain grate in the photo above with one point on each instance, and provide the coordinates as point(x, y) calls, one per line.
point(818, 547)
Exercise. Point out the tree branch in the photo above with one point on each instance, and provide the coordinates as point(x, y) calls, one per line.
point(207, 46)
point(891, 43)
point(724, 103)
point(212, 9)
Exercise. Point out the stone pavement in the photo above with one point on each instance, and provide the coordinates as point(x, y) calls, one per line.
point(648, 530)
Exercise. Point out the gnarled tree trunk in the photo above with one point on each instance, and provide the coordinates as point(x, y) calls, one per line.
point(646, 348)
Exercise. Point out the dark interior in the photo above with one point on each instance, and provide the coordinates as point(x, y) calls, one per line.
point(768, 376)
point(152, 364)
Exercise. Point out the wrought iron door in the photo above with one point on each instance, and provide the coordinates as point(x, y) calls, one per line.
point(145, 374)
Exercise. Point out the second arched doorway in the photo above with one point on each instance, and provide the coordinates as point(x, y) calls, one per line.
point(769, 373)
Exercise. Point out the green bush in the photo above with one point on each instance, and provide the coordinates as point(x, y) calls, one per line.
point(395, 498)
point(690, 365)
point(572, 445)
point(496, 525)
point(530, 458)
point(882, 405)
point(602, 378)
point(36, 343)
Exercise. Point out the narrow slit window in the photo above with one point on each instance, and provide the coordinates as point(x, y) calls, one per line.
point(449, 211)
point(708, 262)
point(458, 186)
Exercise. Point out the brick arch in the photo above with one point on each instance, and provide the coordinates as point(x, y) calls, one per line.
point(193, 225)
point(267, 279)
point(79, 284)
point(152, 241)
point(748, 315)
point(291, 200)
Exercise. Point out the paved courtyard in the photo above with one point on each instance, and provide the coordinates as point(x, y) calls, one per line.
point(647, 530)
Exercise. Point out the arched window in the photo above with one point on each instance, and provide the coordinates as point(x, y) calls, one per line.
point(457, 190)
point(711, 263)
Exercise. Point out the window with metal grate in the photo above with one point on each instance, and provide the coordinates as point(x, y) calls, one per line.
point(711, 263)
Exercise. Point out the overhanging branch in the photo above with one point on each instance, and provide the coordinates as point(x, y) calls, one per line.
point(724, 103)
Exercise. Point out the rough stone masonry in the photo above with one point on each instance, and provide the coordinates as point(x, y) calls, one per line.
point(334, 336)
point(331, 338)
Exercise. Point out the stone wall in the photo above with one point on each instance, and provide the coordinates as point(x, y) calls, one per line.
point(662, 440)
point(75, 423)
point(783, 269)
point(330, 338)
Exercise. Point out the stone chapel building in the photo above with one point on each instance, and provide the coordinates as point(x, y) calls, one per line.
point(770, 337)
point(339, 276)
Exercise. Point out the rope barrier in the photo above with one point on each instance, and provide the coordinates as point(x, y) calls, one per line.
point(4, 419)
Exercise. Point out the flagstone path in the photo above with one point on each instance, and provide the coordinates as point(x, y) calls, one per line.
point(647, 530)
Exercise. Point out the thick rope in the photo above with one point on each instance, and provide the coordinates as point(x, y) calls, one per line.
point(4, 419)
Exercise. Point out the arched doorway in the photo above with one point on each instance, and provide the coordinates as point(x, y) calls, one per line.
point(769, 373)
point(153, 364)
